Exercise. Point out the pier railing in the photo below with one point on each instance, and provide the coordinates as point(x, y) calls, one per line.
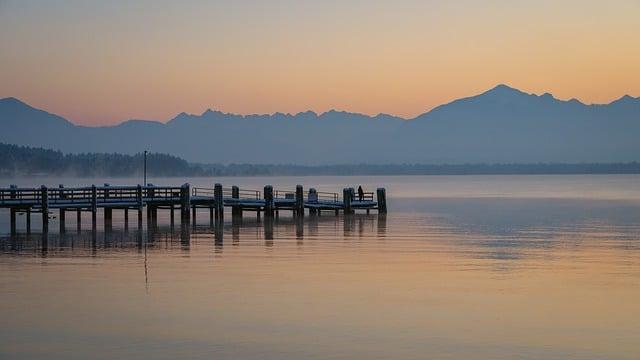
point(204, 192)
point(366, 196)
point(158, 192)
point(249, 194)
point(284, 194)
point(20, 195)
point(227, 193)
point(324, 196)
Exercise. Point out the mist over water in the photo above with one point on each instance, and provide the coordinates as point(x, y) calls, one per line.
point(461, 267)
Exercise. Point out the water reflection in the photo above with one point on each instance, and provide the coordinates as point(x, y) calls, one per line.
point(500, 230)
point(172, 236)
point(442, 278)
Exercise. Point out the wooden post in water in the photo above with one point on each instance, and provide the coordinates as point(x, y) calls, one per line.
point(268, 201)
point(62, 220)
point(108, 215)
point(61, 212)
point(12, 210)
point(299, 210)
point(13, 220)
point(346, 200)
point(28, 220)
point(108, 212)
point(185, 203)
point(236, 210)
point(78, 219)
point(44, 204)
point(94, 206)
point(140, 205)
point(126, 218)
point(152, 210)
point(218, 198)
point(382, 201)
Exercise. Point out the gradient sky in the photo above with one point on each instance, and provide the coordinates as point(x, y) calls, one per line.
point(101, 62)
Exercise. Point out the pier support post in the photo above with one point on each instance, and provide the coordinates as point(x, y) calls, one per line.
point(13, 220)
point(108, 212)
point(108, 217)
point(94, 206)
point(62, 218)
point(193, 214)
point(140, 205)
point(78, 219)
point(28, 220)
point(268, 201)
point(218, 197)
point(126, 218)
point(236, 210)
point(44, 204)
point(346, 200)
point(299, 211)
point(382, 200)
point(185, 203)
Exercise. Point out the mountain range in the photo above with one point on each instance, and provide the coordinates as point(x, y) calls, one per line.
point(501, 125)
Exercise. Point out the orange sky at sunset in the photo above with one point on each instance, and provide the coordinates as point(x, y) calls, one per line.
point(101, 63)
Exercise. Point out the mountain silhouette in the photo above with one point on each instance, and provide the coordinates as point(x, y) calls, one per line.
point(502, 124)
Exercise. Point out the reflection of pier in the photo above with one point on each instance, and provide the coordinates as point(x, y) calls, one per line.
point(269, 231)
point(187, 200)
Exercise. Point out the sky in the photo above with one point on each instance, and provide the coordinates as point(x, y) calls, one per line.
point(102, 62)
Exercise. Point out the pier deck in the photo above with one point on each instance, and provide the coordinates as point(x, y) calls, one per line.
point(187, 200)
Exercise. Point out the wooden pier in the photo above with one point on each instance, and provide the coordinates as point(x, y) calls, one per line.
point(187, 200)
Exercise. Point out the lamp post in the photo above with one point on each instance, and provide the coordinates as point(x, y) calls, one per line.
point(145, 168)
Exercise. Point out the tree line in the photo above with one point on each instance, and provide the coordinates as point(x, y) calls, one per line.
point(30, 161)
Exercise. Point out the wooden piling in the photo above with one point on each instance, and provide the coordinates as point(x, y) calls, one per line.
point(236, 210)
point(382, 200)
point(28, 220)
point(346, 200)
point(13, 220)
point(94, 206)
point(62, 220)
point(108, 214)
point(185, 202)
point(78, 219)
point(299, 210)
point(218, 198)
point(268, 201)
point(140, 205)
point(44, 205)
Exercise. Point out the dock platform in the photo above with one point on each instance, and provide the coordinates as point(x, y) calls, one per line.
point(184, 198)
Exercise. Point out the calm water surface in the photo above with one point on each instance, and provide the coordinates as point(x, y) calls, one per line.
point(492, 267)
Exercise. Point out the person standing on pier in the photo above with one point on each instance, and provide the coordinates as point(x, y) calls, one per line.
point(360, 193)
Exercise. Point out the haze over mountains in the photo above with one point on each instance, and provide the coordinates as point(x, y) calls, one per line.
point(502, 125)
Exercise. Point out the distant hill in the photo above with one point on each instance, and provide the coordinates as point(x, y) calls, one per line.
point(502, 125)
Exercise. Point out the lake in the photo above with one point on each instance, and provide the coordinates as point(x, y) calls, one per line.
point(484, 267)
